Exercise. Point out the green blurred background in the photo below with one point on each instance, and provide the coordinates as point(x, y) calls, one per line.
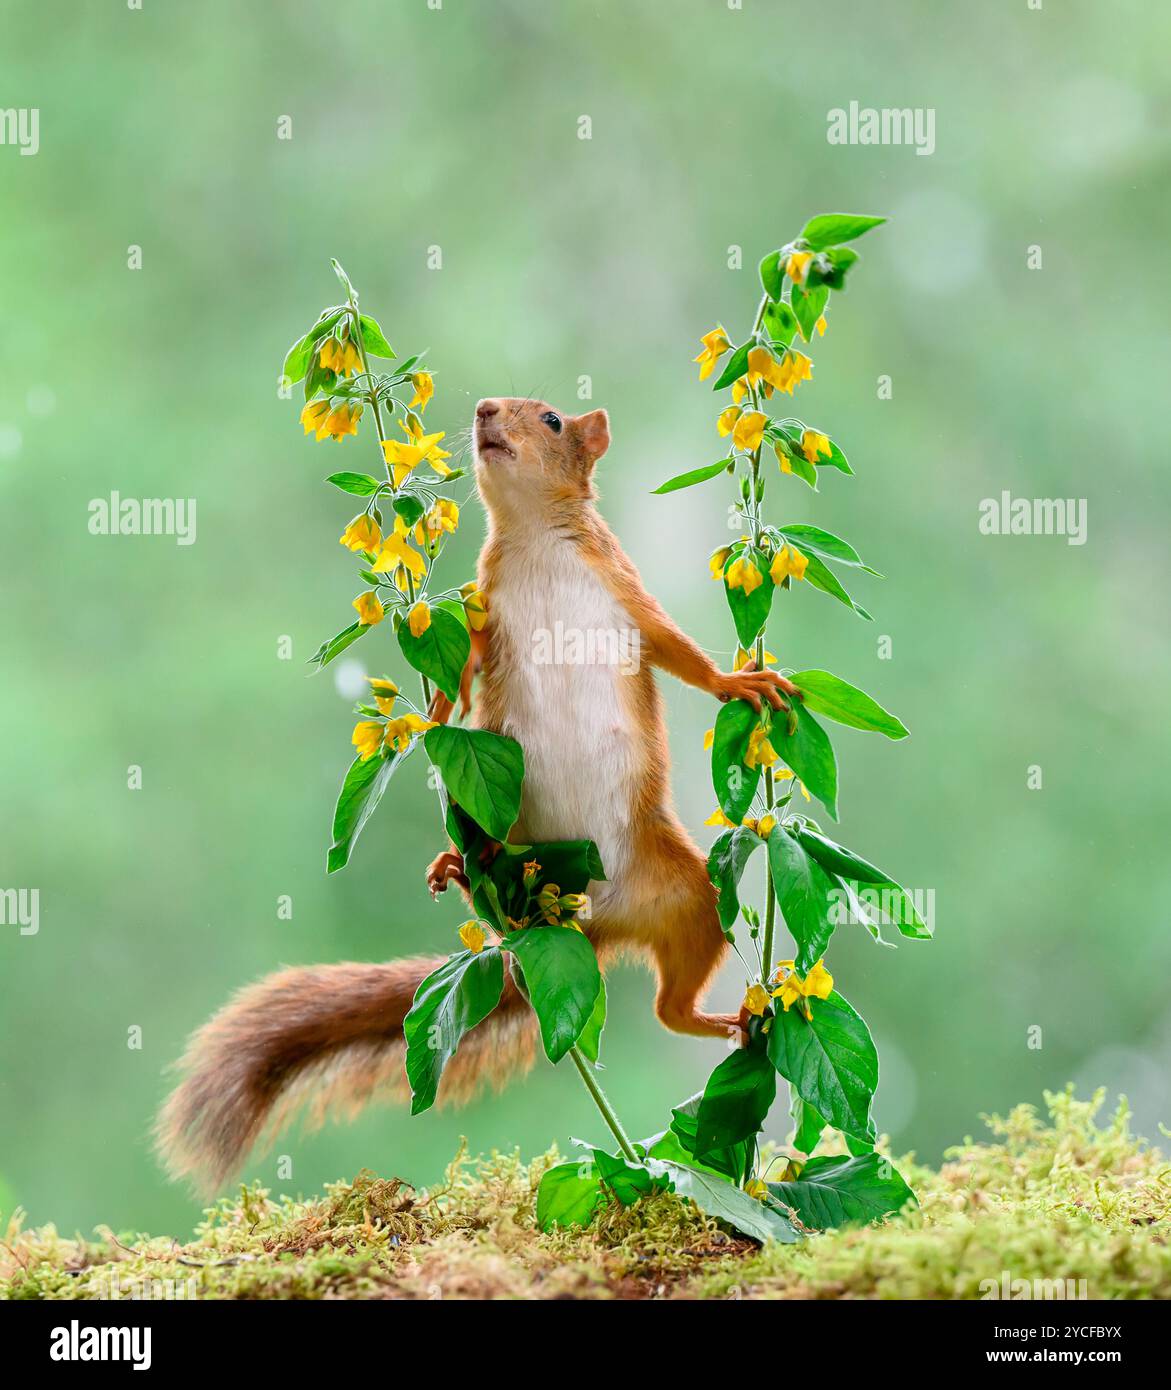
point(457, 127)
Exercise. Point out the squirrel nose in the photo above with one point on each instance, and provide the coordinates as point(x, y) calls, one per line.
point(486, 409)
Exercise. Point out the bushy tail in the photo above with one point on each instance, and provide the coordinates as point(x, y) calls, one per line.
point(329, 1035)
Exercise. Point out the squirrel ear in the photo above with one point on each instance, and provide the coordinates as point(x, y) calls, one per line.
point(593, 434)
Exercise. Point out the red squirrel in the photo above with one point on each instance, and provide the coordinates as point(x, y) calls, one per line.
point(596, 767)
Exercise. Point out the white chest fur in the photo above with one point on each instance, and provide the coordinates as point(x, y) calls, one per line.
point(562, 648)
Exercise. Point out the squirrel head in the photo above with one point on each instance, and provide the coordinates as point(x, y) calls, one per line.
point(529, 454)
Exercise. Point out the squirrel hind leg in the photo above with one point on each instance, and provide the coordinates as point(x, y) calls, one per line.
point(688, 950)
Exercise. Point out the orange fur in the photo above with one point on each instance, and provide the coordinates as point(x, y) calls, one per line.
point(332, 1036)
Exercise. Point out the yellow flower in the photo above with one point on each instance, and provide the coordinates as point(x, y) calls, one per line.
point(397, 550)
point(399, 732)
point(782, 457)
point(531, 870)
point(742, 658)
point(709, 738)
point(475, 606)
point(403, 456)
point(782, 774)
point(367, 738)
point(575, 902)
point(343, 420)
point(814, 444)
point(818, 984)
point(424, 390)
point(792, 369)
point(764, 826)
point(313, 418)
point(370, 610)
point(798, 368)
point(760, 752)
point(756, 1000)
point(362, 533)
point(755, 1188)
point(797, 266)
point(384, 692)
point(443, 516)
point(726, 420)
point(473, 937)
point(330, 355)
point(788, 561)
point(749, 430)
point(740, 390)
point(820, 325)
point(419, 619)
point(717, 560)
point(715, 344)
point(717, 817)
point(743, 573)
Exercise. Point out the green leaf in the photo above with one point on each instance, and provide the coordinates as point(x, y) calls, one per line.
point(736, 1099)
point(804, 891)
point(830, 267)
point(830, 1061)
point(895, 906)
point(336, 645)
point(727, 1203)
point(813, 538)
point(801, 468)
point(481, 771)
point(372, 338)
point(733, 781)
point(772, 275)
point(410, 508)
point(567, 1198)
point(678, 1143)
point(807, 1125)
point(809, 753)
point(735, 367)
point(360, 484)
point(361, 791)
point(823, 578)
point(832, 228)
point(441, 652)
point(725, 866)
point(299, 356)
point(843, 1191)
point(780, 323)
point(749, 611)
point(562, 977)
point(697, 475)
point(590, 1041)
point(448, 1004)
point(808, 305)
point(830, 695)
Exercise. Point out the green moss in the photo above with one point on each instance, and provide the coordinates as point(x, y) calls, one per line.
point(1063, 1198)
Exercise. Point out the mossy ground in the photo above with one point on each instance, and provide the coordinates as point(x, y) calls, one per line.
point(1068, 1198)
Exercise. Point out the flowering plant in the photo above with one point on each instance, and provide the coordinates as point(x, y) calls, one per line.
point(794, 1024)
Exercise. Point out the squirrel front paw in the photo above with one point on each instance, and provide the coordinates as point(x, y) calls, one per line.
point(752, 685)
point(446, 868)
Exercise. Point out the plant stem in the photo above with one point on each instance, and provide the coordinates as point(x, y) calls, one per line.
point(372, 396)
point(423, 678)
point(605, 1109)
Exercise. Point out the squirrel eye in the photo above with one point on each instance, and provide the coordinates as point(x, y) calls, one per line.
point(553, 421)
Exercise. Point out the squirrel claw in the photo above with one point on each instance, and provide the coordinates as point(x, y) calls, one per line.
point(751, 685)
point(444, 869)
